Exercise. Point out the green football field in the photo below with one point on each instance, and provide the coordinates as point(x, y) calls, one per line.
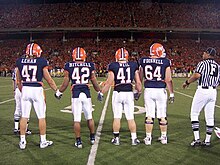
point(59, 130)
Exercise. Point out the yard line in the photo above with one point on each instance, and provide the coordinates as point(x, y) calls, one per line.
point(13, 98)
point(3, 86)
point(93, 151)
point(191, 97)
point(6, 101)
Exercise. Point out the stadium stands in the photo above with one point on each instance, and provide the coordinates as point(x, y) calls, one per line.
point(184, 53)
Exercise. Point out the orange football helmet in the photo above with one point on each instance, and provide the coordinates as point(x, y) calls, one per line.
point(121, 54)
point(79, 54)
point(33, 49)
point(157, 50)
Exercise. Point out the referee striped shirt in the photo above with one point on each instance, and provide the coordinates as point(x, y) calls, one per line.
point(210, 73)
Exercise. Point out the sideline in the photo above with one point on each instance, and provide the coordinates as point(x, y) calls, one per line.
point(93, 151)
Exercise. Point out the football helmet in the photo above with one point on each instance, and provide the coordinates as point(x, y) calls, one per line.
point(79, 54)
point(157, 50)
point(121, 54)
point(33, 49)
point(217, 132)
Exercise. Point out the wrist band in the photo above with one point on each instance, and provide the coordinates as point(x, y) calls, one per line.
point(187, 83)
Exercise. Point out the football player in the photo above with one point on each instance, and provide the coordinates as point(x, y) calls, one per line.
point(30, 72)
point(17, 112)
point(80, 72)
point(156, 72)
point(122, 73)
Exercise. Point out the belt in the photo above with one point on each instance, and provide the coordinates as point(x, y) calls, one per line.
point(206, 87)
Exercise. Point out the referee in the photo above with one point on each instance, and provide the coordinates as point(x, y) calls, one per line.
point(208, 76)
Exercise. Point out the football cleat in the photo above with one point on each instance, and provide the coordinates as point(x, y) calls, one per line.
point(45, 144)
point(33, 49)
point(79, 54)
point(206, 144)
point(195, 143)
point(157, 50)
point(217, 132)
point(121, 54)
point(163, 139)
point(135, 142)
point(92, 139)
point(22, 145)
point(78, 144)
point(116, 141)
point(147, 140)
point(16, 131)
point(28, 132)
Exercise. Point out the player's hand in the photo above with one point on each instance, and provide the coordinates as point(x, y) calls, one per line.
point(136, 95)
point(171, 98)
point(58, 94)
point(185, 84)
point(100, 96)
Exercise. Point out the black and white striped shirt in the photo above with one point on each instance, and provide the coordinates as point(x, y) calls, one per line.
point(210, 73)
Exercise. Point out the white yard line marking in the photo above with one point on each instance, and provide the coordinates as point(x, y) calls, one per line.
point(6, 101)
point(13, 98)
point(191, 97)
point(3, 86)
point(93, 151)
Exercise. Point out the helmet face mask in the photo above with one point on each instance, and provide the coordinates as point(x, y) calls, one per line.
point(121, 55)
point(157, 50)
point(33, 50)
point(79, 54)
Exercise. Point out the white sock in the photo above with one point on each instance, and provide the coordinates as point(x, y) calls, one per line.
point(164, 134)
point(133, 135)
point(22, 138)
point(16, 125)
point(207, 138)
point(196, 135)
point(43, 138)
point(148, 134)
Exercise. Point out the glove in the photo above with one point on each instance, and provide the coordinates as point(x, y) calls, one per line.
point(171, 98)
point(100, 96)
point(136, 95)
point(58, 94)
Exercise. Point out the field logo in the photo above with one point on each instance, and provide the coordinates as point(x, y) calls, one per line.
point(137, 109)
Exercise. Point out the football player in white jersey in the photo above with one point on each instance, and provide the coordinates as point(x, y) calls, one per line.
point(80, 72)
point(156, 72)
point(17, 112)
point(31, 70)
point(122, 73)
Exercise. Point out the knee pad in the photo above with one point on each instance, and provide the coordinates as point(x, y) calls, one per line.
point(163, 121)
point(149, 120)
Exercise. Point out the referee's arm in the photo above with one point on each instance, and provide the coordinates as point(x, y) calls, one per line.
point(193, 78)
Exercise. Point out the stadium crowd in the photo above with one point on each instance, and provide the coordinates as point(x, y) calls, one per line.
point(94, 14)
point(184, 53)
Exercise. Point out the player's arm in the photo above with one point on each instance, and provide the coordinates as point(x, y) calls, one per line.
point(141, 74)
point(65, 83)
point(193, 78)
point(48, 78)
point(109, 82)
point(14, 84)
point(18, 79)
point(168, 80)
point(138, 85)
point(94, 82)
